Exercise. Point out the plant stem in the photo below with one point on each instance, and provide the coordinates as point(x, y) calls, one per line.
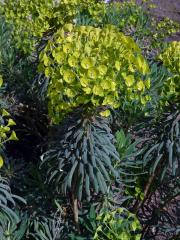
point(75, 211)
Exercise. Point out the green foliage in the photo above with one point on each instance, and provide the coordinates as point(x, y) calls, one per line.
point(159, 75)
point(12, 230)
point(8, 214)
point(78, 66)
point(16, 69)
point(163, 151)
point(7, 199)
point(171, 59)
point(88, 223)
point(6, 134)
point(130, 166)
point(164, 28)
point(81, 160)
point(161, 182)
point(136, 21)
point(39, 228)
point(31, 21)
point(118, 224)
point(90, 59)
point(126, 14)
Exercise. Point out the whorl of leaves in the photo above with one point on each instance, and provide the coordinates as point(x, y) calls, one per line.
point(81, 160)
point(130, 166)
point(163, 148)
point(7, 203)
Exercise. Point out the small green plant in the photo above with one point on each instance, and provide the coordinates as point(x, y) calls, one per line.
point(117, 225)
point(130, 165)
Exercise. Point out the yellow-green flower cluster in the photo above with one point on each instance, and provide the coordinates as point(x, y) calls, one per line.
point(5, 131)
point(32, 19)
point(94, 67)
point(5, 128)
point(171, 59)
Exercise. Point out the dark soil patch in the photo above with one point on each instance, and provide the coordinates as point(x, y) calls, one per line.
point(167, 8)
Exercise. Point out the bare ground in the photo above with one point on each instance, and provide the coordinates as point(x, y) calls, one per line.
point(168, 8)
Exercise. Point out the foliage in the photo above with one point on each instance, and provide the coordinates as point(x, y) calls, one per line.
point(16, 70)
point(81, 159)
point(130, 166)
point(88, 224)
point(118, 224)
point(77, 65)
point(163, 151)
point(109, 144)
point(161, 183)
point(6, 134)
point(7, 204)
point(39, 228)
point(132, 19)
point(32, 20)
point(171, 59)
point(7, 199)
point(125, 14)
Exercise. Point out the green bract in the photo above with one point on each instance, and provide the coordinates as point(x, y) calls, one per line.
point(32, 19)
point(171, 59)
point(93, 67)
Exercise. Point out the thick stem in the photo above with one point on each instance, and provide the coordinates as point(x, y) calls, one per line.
point(75, 201)
point(75, 211)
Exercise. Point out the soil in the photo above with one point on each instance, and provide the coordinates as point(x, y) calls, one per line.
point(170, 9)
point(167, 8)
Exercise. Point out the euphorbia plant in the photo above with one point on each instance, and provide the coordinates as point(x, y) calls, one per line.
point(91, 69)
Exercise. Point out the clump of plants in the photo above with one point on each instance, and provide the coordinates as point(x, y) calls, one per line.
point(102, 157)
point(32, 21)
